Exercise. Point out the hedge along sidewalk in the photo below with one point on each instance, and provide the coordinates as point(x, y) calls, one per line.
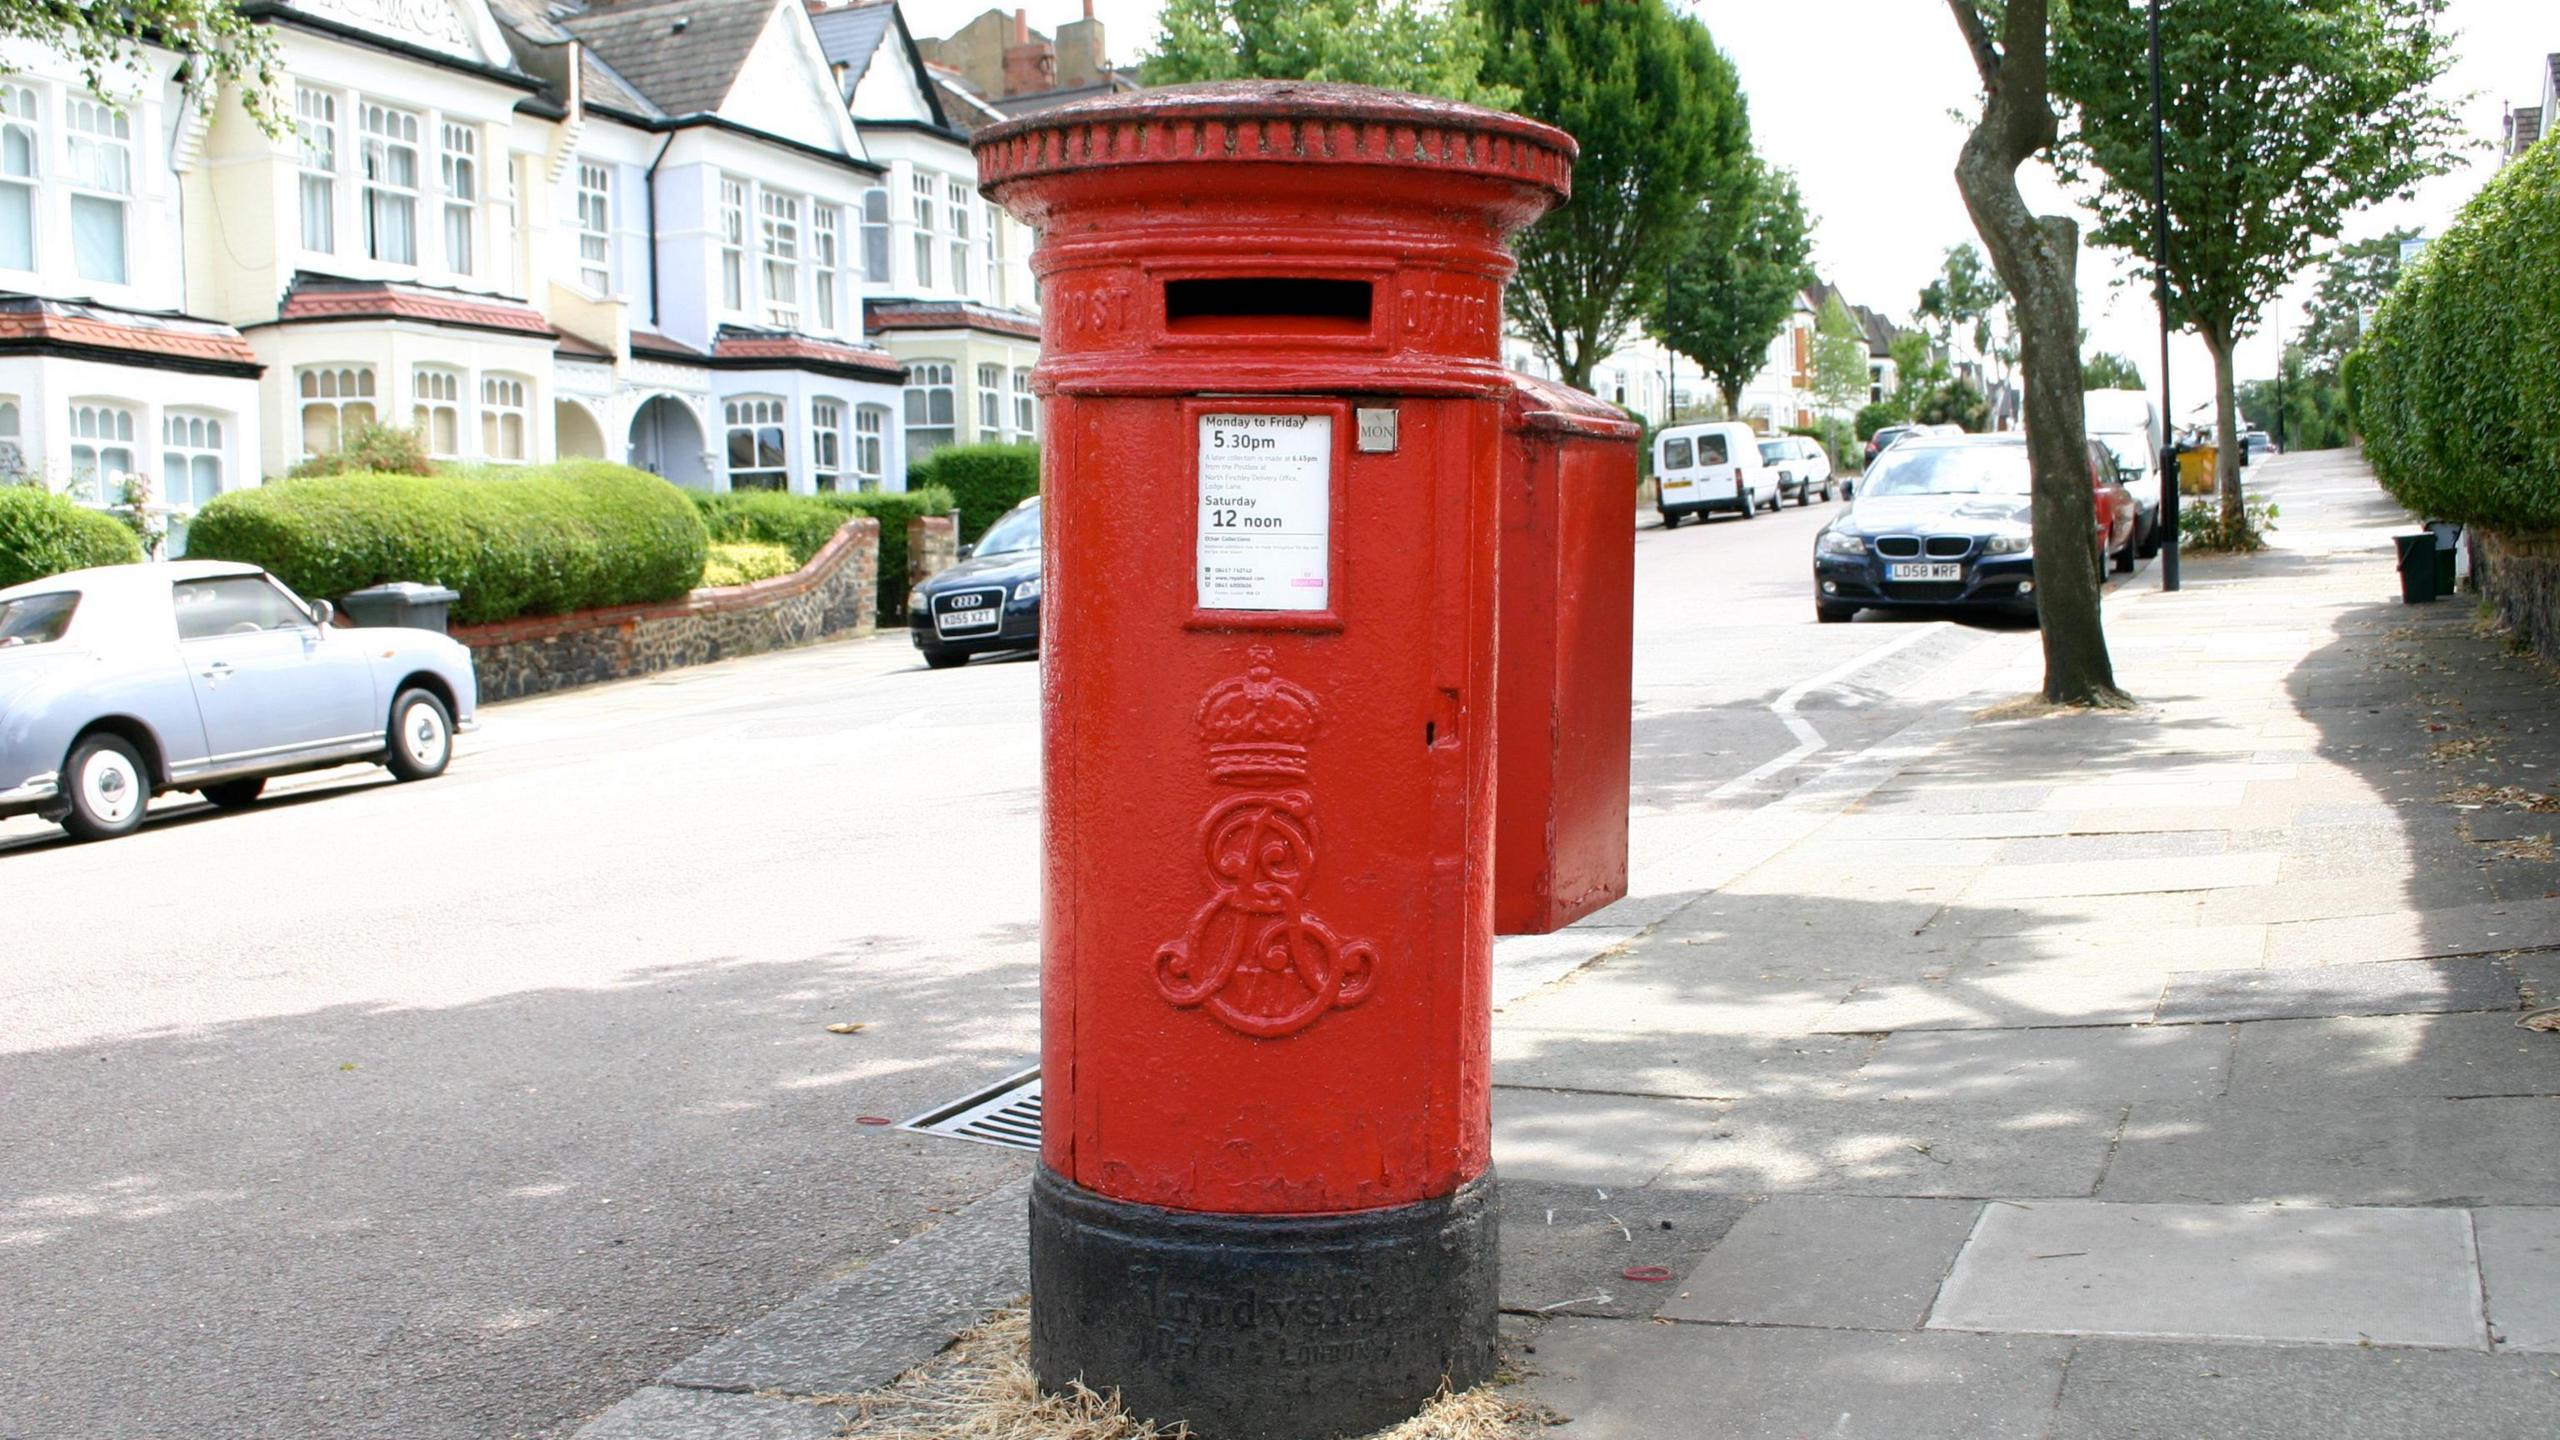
point(984, 480)
point(803, 524)
point(831, 596)
point(545, 540)
point(42, 534)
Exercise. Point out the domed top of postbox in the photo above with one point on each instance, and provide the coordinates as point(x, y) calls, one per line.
point(1252, 125)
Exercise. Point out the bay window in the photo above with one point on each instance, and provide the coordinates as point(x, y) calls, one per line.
point(1026, 406)
point(190, 459)
point(826, 444)
point(755, 444)
point(435, 410)
point(101, 452)
point(337, 401)
point(502, 417)
point(870, 431)
point(990, 401)
point(101, 188)
point(932, 417)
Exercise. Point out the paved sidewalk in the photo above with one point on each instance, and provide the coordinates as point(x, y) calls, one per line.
point(2128, 1075)
point(2101, 1075)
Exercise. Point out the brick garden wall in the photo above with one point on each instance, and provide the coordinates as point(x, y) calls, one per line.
point(933, 546)
point(834, 594)
point(2521, 576)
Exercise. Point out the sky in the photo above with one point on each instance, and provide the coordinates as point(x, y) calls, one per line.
point(1863, 100)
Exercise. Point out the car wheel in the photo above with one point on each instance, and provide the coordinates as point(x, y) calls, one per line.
point(235, 794)
point(1750, 504)
point(1670, 520)
point(2098, 558)
point(944, 659)
point(1804, 494)
point(421, 736)
point(2124, 557)
point(1833, 614)
point(107, 786)
point(1830, 492)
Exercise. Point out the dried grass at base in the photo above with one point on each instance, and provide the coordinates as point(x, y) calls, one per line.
point(982, 1388)
point(2033, 706)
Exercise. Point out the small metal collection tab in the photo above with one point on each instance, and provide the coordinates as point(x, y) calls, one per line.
point(1377, 431)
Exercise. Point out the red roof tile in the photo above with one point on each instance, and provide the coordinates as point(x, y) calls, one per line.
point(948, 315)
point(31, 323)
point(789, 350)
point(323, 298)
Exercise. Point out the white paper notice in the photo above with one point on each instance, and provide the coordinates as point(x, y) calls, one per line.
point(1266, 512)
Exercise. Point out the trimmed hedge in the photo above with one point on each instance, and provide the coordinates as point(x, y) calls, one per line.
point(2457, 385)
point(42, 534)
point(743, 562)
point(986, 480)
point(803, 524)
point(538, 540)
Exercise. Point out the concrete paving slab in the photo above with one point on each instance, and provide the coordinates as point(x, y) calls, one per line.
point(660, 1412)
point(2074, 915)
point(2408, 933)
point(2148, 1390)
point(2520, 1265)
point(1998, 999)
point(2389, 987)
point(2399, 1055)
point(863, 1329)
point(1695, 1067)
point(1877, 1147)
point(1524, 963)
point(1848, 1262)
point(2122, 877)
point(1621, 1381)
point(2191, 947)
point(1918, 793)
point(1566, 1248)
point(2134, 845)
point(1608, 1141)
point(2137, 795)
point(2219, 1272)
point(2029, 1067)
point(2305, 1148)
point(2291, 901)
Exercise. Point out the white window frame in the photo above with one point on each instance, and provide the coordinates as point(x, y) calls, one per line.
point(459, 160)
point(875, 234)
point(920, 189)
point(504, 398)
point(388, 133)
point(22, 162)
point(826, 255)
point(991, 407)
point(956, 212)
point(932, 407)
point(870, 445)
point(315, 115)
point(595, 227)
point(13, 457)
point(733, 245)
point(102, 450)
point(826, 445)
point(759, 418)
point(778, 251)
point(1026, 406)
point(98, 170)
point(339, 389)
point(191, 445)
point(435, 395)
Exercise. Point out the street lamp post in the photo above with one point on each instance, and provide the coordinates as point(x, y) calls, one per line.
point(2160, 296)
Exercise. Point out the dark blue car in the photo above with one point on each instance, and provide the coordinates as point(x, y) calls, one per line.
point(988, 602)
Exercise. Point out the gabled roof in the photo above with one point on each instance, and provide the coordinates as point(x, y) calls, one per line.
point(851, 33)
point(683, 54)
point(312, 298)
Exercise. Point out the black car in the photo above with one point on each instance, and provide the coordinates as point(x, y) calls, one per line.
point(1939, 521)
point(990, 601)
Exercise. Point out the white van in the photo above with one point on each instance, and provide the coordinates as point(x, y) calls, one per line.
point(1711, 465)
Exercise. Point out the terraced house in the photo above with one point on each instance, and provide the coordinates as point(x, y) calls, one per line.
point(650, 230)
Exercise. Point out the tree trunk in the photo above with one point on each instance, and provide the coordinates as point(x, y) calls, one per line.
point(2226, 428)
point(2037, 258)
point(1732, 401)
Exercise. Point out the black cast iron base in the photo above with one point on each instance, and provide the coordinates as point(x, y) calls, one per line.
point(1263, 1327)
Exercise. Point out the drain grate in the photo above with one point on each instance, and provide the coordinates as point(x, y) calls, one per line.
point(1006, 1113)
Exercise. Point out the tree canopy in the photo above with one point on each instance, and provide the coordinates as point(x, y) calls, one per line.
point(1962, 299)
point(1733, 287)
point(220, 45)
point(2108, 370)
point(2353, 282)
point(1415, 45)
point(1839, 360)
point(1660, 118)
point(2280, 118)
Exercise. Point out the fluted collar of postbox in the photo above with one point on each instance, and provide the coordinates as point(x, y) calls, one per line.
point(1284, 122)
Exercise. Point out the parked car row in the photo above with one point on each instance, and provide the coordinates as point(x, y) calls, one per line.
point(1946, 521)
point(987, 603)
point(123, 683)
point(1725, 466)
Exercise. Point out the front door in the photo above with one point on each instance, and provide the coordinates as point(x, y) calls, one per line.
point(268, 681)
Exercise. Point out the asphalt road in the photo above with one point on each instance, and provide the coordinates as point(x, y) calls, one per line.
point(460, 1109)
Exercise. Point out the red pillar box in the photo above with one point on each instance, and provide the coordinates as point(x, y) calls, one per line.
point(1565, 688)
point(1270, 351)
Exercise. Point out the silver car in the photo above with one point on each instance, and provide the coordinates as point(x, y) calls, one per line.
point(120, 683)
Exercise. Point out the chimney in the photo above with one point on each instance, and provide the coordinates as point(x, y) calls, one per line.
point(1080, 55)
point(1021, 27)
point(1030, 63)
